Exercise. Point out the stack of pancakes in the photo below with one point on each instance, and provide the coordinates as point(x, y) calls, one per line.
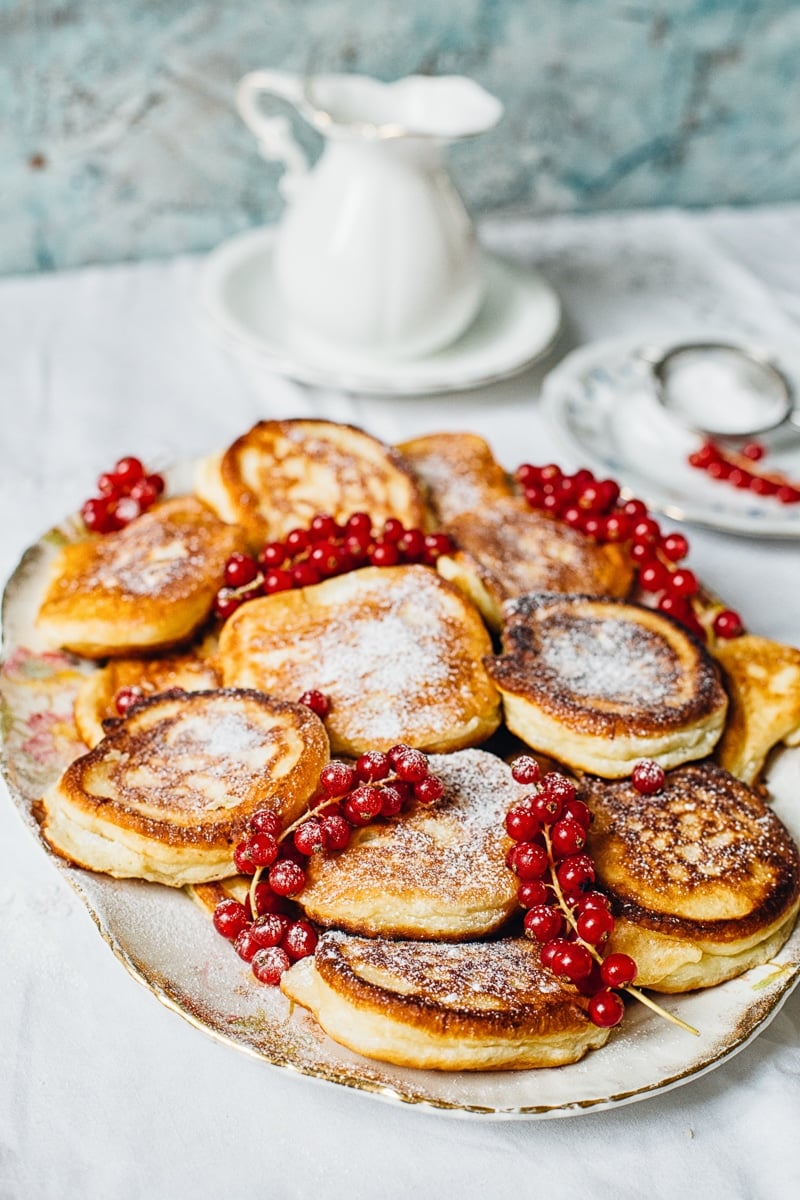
point(421, 963)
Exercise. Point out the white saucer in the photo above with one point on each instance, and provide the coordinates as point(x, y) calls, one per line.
point(517, 323)
point(602, 402)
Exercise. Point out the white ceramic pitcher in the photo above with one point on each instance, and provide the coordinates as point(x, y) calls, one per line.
point(375, 252)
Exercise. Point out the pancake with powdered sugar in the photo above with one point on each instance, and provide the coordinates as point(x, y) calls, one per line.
point(600, 684)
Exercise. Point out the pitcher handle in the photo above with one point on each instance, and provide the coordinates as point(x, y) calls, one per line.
point(276, 142)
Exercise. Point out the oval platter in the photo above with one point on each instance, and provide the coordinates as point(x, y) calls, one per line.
point(168, 943)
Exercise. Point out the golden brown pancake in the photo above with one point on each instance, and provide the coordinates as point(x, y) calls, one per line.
point(433, 872)
point(703, 878)
point(95, 703)
point(397, 651)
point(463, 1007)
point(458, 472)
point(600, 684)
point(280, 474)
point(168, 793)
point(763, 681)
point(506, 550)
point(146, 588)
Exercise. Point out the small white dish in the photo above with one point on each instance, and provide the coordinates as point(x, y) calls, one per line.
point(602, 401)
point(517, 323)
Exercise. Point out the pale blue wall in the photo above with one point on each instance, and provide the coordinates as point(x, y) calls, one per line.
point(118, 137)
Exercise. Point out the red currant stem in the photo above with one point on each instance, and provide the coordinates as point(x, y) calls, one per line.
point(662, 1012)
point(301, 820)
point(254, 583)
point(252, 892)
point(744, 463)
point(567, 911)
point(565, 908)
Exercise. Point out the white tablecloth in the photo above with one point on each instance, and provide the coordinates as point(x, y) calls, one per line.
point(104, 1093)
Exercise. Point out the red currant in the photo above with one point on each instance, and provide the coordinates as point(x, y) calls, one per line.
point(393, 529)
point(246, 945)
point(277, 580)
point(322, 528)
point(683, 583)
point(305, 574)
point(558, 787)
point(567, 837)
point(412, 545)
point(728, 624)
point(337, 778)
point(606, 1009)
point(336, 832)
point(108, 485)
point(262, 849)
point(268, 929)
point(240, 569)
point(525, 770)
point(618, 970)
point(392, 801)
point(98, 516)
point(532, 892)
point(648, 777)
point(128, 470)
point(653, 576)
point(384, 554)
point(273, 555)
point(309, 838)
point(126, 698)
point(144, 492)
point(242, 860)
point(572, 960)
point(411, 766)
point(363, 805)
point(230, 918)
point(126, 509)
point(574, 871)
point(299, 940)
point(576, 810)
point(226, 603)
point(528, 860)
point(521, 823)
point(265, 820)
point(674, 547)
point(372, 766)
point(595, 925)
point(437, 544)
point(429, 790)
point(316, 701)
point(286, 878)
point(543, 923)
point(268, 965)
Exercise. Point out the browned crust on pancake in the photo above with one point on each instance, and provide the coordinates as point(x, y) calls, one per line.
point(763, 682)
point(95, 705)
point(706, 843)
point(534, 625)
point(458, 472)
point(514, 550)
point(133, 740)
point(147, 587)
point(542, 1005)
point(284, 510)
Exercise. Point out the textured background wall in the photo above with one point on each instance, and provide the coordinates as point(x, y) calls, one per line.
point(118, 137)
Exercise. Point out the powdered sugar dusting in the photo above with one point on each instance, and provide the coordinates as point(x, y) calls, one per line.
point(502, 976)
point(392, 661)
point(611, 659)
